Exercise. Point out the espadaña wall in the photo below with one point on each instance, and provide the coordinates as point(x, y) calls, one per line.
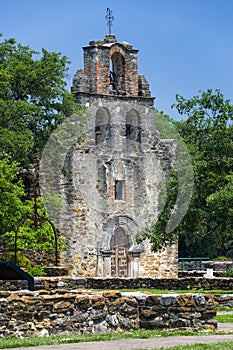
point(24, 313)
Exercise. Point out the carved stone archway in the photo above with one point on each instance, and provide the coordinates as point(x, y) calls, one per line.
point(120, 251)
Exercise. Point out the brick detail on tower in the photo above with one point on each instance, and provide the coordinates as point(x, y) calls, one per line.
point(110, 68)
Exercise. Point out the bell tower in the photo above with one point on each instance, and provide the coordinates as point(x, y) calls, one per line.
point(110, 68)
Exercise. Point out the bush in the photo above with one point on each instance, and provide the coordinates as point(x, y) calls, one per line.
point(228, 273)
point(222, 258)
point(21, 259)
point(37, 270)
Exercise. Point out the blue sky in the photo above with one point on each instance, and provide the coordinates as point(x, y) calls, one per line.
point(184, 45)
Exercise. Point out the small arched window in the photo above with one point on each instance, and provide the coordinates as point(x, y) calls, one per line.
point(102, 125)
point(132, 127)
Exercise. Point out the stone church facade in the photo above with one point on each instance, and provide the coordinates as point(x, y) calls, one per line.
point(116, 172)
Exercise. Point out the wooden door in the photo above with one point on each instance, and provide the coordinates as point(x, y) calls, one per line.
point(119, 262)
point(119, 244)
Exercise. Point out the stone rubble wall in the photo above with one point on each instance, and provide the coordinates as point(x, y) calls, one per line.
point(188, 283)
point(224, 300)
point(217, 266)
point(44, 313)
point(171, 284)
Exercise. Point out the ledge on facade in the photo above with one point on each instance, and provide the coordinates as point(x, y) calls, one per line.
point(111, 96)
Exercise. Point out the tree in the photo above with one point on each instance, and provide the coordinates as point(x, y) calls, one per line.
point(11, 206)
point(208, 133)
point(33, 99)
point(13, 209)
point(33, 102)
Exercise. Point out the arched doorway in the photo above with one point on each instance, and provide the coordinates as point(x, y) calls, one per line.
point(119, 245)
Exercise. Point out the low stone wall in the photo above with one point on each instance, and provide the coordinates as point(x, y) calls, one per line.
point(41, 313)
point(224, 300)
point(218, 267)
point(197, 273)
point(185, 283)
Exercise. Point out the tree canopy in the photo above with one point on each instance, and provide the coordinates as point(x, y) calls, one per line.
point(33, 98)
point(207, 131)
point(33, 102)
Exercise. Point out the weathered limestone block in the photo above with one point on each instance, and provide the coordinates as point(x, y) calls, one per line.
point(82, 302)
point(113, 294)
point(97, 302)
point(185, 300)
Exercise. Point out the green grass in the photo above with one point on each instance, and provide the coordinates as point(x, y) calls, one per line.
point(224, 318)
point(224, 308)
point(166, 291)
point(76, 337)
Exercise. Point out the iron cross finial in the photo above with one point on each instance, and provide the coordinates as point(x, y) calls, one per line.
point(109, 18)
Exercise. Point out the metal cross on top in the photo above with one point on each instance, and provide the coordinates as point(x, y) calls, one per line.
point(109, 18)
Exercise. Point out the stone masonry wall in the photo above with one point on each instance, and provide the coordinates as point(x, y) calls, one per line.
point(171, 284)
point(91, 213)
point(41, 313)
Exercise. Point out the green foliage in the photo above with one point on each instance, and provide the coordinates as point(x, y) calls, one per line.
point(208, 133)
point(37, 270)
point(228, 272)
point(11, 190)
point(222, 258)
point(164, 124)
point(13, 209)
point(22, 260)
point(33, 103)
point(224, 318)
point(40, 237)
point(224, 308)
point(33, 98)
point(130, 334)
point(53, 202)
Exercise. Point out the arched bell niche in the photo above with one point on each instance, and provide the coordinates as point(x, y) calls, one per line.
point(117, 73)
point(102, 125)
point(132, 127)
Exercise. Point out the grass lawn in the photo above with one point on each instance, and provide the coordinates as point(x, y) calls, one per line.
point(76, 338)
point(166, 291)
point(224, 318)
point(225, 308)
